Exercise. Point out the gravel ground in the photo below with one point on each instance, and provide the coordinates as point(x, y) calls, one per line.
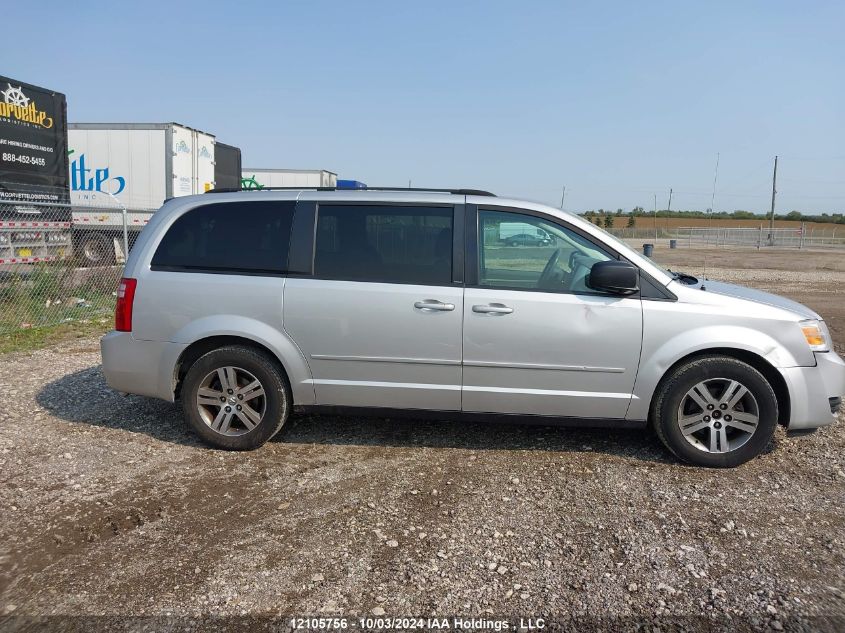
point(111, 508)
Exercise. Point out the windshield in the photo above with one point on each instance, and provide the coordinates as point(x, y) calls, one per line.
point(682, 277)
point(619, 243)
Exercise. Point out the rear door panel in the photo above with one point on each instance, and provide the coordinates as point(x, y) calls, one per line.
point(368, 346)
point(378, 343)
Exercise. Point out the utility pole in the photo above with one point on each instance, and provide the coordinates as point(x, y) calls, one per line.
point(772, 216)
point(713, 197)
point(668, 207)
point(562, 197)
point(655, 218)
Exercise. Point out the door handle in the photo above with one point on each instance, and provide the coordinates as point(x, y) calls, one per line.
point(433, 305)
point(492, 308)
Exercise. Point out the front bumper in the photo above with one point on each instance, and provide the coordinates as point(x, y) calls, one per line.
point(142, 367)
point(812, 391)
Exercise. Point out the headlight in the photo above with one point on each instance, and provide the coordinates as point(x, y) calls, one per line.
point(816, 335)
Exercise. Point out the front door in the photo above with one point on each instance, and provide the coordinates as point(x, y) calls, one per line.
point(537, 339)
point(379, 322)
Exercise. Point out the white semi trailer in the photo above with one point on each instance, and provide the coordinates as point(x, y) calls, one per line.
point(254, 178)
point(136, 167)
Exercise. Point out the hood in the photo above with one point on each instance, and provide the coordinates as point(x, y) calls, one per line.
point(758, 296)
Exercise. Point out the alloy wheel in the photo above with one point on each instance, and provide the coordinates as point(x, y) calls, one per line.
point(718, 415)
point(231, 401)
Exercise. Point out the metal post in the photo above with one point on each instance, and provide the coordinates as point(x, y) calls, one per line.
point(125, 235)
point(801, 240)
point(125, 223)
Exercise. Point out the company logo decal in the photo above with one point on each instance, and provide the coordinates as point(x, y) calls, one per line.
point(251, 183)
point(16, 105)
point(204, 153)
point(182, 148)
point(82, 178)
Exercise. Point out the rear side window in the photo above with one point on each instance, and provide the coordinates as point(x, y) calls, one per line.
point(236, 237)
point(393, 244)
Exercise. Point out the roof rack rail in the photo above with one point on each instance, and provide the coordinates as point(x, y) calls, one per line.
point(460, 192)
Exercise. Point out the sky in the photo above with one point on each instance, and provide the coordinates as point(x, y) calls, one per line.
point(616, 101)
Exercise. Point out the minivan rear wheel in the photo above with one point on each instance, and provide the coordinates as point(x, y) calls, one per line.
point(716, 411)
point(235, 398)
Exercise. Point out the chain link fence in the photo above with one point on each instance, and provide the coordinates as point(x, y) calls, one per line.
point(54, 269)
point(806, 236)
point(761, 237)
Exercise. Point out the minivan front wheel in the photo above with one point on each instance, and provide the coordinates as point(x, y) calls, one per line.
point(235, 398)
point(716, 411)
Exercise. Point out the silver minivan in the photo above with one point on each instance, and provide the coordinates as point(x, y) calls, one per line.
point(251, 305)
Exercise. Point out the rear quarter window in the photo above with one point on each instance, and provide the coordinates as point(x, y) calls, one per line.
point(234, 237)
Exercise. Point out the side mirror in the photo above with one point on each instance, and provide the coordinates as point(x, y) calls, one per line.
point(619, 278)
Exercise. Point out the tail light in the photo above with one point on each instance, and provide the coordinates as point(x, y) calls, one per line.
point(123, 309)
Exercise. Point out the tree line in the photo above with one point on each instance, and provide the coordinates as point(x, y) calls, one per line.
point(608, 218)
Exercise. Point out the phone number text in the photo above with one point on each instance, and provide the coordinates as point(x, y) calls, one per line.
point(24, 159)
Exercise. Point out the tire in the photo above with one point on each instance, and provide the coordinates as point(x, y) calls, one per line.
point(266, 412)
point(96, 250)
point(706, 398)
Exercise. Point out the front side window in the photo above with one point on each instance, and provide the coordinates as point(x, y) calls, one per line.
point(383, 243)
point(232, 237)
point(525, 252)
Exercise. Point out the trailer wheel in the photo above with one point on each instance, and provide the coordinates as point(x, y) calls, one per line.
point(96, 250)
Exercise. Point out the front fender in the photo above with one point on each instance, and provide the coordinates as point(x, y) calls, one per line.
point(660, 353)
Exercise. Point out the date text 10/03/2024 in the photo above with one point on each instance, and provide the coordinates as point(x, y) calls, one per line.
point(415, 623)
